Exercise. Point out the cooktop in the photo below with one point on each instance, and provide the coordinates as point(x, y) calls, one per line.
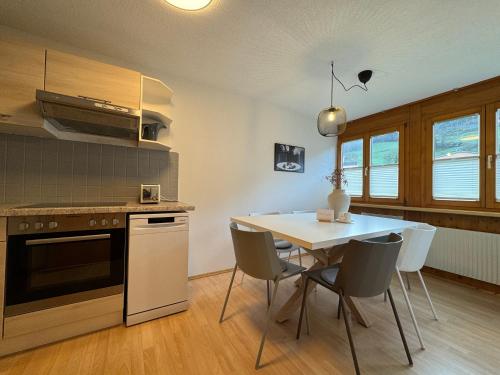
point(74, 204)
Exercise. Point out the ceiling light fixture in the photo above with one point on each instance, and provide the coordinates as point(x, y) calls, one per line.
point(332, 121)
point(189, 4)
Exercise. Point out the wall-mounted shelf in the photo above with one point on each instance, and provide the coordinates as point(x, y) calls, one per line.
point(153, 145)
point(156, 97)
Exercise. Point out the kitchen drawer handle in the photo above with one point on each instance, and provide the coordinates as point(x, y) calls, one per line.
point(95, 99)
point(4, 115)
point(46, 241)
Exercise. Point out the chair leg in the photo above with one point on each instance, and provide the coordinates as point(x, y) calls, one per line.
point(408, 281)
point(302, 307)
point(348, 329)
point(289, 256)
point(339, 309)
point(410, 361)
point(268, 320)
point(427, 294)
point(227, 295)
point(410, 309)
point(307, 317)
point(268, 293)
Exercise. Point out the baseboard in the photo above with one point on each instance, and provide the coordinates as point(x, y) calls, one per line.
point(214, 273)
point(478, 284)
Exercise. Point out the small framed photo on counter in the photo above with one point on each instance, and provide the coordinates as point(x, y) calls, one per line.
point(150, 194)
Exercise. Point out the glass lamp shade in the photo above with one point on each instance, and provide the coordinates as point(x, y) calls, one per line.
point(332, 121)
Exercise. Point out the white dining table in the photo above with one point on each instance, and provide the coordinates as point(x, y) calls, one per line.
point(322, 240)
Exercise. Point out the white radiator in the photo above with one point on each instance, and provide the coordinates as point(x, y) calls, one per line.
point(466, 253)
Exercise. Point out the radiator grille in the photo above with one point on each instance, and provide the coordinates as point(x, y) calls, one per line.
point(466, 253)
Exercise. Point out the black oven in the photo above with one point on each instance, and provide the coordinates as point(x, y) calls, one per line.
point(53, 261)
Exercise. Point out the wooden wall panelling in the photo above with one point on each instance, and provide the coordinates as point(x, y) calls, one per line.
point(414, 186)
point(478, 94)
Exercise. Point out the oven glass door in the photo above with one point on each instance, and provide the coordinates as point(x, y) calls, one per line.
point(50, 266)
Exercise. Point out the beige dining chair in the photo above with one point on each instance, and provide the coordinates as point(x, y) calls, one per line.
point(256, 256)
point(365, 271)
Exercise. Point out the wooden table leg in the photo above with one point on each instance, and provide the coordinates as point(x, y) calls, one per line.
point(293, 303)
point(358, 312)
point(323, 257)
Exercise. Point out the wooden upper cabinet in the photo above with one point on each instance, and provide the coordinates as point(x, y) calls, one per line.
point(76, 76)
point(22, 68)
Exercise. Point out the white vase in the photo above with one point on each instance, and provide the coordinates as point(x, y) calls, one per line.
point(339, 201)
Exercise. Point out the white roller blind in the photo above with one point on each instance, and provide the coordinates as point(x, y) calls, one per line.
point(455, 166)
point(352, 164)
point(384, 165)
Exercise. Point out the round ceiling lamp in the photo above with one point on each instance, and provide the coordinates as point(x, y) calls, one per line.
point(332, 121)
point(189, 4)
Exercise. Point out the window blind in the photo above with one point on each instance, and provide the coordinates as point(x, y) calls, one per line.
point(352, 164)
point(384, 165)
point(455, 166)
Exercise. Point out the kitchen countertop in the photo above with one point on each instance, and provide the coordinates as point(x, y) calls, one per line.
point(16, 209)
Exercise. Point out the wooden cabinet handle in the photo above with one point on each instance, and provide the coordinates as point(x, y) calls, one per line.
point(4, 115)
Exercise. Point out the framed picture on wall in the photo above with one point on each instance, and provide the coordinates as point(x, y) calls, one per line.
point(289, 158)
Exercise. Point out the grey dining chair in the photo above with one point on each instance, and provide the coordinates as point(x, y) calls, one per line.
point(398, 217)
point(256, 256)
point(365, 271)
point(282, 246)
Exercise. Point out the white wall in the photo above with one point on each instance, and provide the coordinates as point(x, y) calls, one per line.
point(226, 146)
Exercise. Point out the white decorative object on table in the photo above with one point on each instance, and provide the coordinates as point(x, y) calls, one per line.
point(338, 200)
point(325, 214)
point(345, 217)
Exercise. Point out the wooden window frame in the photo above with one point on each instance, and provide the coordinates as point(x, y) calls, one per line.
point(339, 161)
point(490, 149)
point(401, 164)
point(427, 148)
point(365, 198)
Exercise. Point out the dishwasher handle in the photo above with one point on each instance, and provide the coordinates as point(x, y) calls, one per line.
point(156, 226)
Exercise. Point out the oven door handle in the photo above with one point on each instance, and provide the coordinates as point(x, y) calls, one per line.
point(45, 241)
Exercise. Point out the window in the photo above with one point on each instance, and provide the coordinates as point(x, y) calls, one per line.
point(371, 165)
point(384, 165)
point(352, 164)
point(455, 159)
point(497, 152)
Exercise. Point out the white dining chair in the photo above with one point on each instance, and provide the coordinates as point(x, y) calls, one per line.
point(416, 244)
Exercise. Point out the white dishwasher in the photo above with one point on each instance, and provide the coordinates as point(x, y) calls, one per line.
point(157, 271)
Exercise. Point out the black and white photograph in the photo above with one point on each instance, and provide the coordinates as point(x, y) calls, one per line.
point(289, 158)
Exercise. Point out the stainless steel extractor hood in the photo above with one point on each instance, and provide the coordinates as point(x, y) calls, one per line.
point(88, 120)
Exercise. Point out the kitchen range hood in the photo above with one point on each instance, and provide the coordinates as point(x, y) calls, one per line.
point(88, 120)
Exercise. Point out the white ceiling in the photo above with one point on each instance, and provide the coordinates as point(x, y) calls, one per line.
point(280, 49)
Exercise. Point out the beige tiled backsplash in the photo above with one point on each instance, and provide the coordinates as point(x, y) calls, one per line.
point(45, 170)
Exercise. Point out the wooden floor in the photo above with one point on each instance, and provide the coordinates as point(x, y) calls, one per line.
point(466, 339)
